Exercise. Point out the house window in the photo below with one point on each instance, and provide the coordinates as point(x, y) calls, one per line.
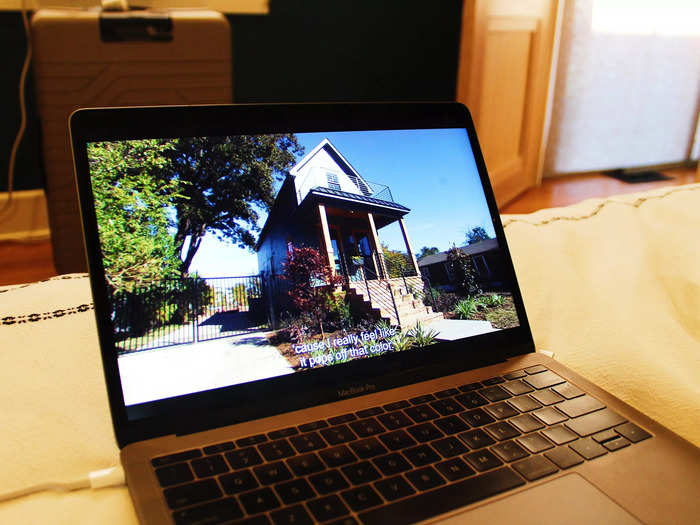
point(333, 182)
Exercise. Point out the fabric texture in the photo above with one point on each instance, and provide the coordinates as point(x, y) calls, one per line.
point(611, 286)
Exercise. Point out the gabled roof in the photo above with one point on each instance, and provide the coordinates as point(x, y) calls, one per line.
point(470, 249)
point(341, 161)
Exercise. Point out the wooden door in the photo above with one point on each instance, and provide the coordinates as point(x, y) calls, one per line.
point(503, 78)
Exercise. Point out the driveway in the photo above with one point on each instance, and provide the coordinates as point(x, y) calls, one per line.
point(183, 369)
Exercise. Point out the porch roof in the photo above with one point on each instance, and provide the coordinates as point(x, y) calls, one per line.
point(322, 193)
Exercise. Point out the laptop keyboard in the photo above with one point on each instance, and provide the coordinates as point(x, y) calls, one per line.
point(399, 463)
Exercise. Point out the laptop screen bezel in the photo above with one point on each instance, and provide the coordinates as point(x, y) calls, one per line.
point(257, 399)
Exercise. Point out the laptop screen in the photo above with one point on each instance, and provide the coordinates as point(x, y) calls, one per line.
point(238, 259)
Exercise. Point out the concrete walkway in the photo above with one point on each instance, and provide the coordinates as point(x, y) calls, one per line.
point(452, 329)
point(184, 369)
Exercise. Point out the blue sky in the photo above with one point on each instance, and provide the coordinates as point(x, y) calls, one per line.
point(432, 172)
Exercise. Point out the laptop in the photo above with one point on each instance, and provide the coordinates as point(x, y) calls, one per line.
point(309, 314)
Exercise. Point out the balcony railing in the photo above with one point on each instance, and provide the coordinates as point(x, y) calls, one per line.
point(370, 189)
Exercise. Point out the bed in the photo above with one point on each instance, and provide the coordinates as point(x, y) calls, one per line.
point(611, 287)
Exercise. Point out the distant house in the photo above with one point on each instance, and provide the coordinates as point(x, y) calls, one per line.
point(325, 203)
point(487, 259)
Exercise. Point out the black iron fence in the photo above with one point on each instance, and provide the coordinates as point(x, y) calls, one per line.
point(187, 310)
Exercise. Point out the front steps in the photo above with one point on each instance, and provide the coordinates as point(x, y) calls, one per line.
point(375, 297)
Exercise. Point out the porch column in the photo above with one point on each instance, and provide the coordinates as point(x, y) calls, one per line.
point(327, 237)
point(412, 256)
point(378, 265)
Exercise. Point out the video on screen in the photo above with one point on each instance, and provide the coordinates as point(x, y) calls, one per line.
point(239, 258)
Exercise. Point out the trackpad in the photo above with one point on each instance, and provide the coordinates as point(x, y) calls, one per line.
point(569, 499)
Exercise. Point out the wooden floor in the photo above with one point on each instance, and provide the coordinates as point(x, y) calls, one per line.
point(27, 262)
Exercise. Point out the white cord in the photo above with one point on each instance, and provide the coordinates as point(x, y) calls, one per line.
point(108, 477)
point(23, 111)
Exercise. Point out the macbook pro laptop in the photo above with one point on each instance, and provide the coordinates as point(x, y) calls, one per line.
point(308, 313)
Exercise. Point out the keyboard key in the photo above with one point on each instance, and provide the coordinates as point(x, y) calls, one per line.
point(535, 467)
point(368, 448)
point(394, 488)
point(424, 432)
point(549, 415)
point(284, 432)
point(327, 508)
point(632, 432)
point(595, 422)
point(517, 388)
point(295, 490)
point(494, 393)
point(535, 369)
point(421, 399)
point(314, 425)
point(361, 498)
point(251, 440)
point(421, 455)
point(214, 512)
point(559, 434)
point(492, 381)
point(514, 375)
point(616, 444)
point(338, 435)
point(394, 420)
point(329, 481)
point(192, 493)
point(547, 397)
point(307, 442)
point(443, 499)
point(534, 442)
point(568, 390)
point(361, 473)
point(447, 393)
point(526, 423)
point(509, 451)
point(580, 406)
point(174, 474)
point(470, 387)
point(276, 450)
point(544, 380)
point(421, 413)
point(176, 458)
point(337, 456)
point(451, 425)
point(239, 481)
point(345, 521)
point(449, 447)
point(367, 427)
point(245, 457)
point(425, 478)
point(447, 407)
point(345, 418)
point(476, 439)
point(260, 500)
point(588, 448)
point(396, 405)
point(501, 410)
point(219, 447)
point(477, 417)
point(502, 430)
point(368, 412)
point(295, 515)
point(471, 400)
point(454, 469)
point(483, 460)
point(524, 403)
point(397, 440)
point(209, 466)
point(272, 473)
point(392, 464)
point(307, 464)
point(605, 435)
point(563, 457)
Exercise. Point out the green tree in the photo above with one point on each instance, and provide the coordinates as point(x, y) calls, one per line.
point(461, 267)
point(133, 211)
point(395, 261)
point(227, 181)
point(425, 251)
point(476, 234)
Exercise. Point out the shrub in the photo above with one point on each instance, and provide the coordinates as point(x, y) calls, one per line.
point(339, 315)
point(466, 308)
point(401, 341)
point(422, 336)
point(461, 267)
point(444, 301)
point(492, 300)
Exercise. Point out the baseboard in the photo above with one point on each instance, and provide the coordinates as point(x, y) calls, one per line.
point(27, 217)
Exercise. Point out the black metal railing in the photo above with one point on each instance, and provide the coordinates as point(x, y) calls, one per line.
point(379, 291)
